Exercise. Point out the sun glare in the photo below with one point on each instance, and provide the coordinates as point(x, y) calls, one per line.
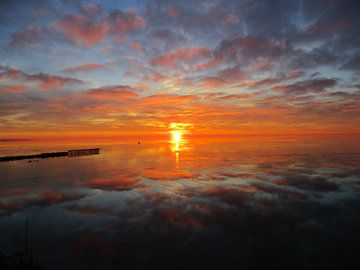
point(177, 132)
point(176, 136)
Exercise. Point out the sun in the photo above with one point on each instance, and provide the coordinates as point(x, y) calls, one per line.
point(176, 136)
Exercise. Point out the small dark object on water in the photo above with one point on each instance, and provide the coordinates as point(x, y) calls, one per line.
point(138, 142)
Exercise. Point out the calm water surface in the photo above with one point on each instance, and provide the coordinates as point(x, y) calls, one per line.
point(246, 203)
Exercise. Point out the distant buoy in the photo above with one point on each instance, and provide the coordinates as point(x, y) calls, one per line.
point(138, 142)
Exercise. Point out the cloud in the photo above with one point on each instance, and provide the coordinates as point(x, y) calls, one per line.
point(172, 11)
point(166, 100)
point(141, 87)
point(229, 20)
point(309, 183)
point(136, 46)
point(126, 21)
point(27, 36)
point(48, 82)
point(212, 63)
point(82, 30)
point(43, 198)
point(304, 87)
point(90, 9)
point(273, 80)
point(14, 89)
point(167, 38)
point(352, 64)
point(233, 47)
point(161, 175)
point(11, 73)
point(115, 93)
point(45, 81)
point(180, 56)
point(91, 210)
point(211, 82)
point(89, 66)
point(124, 183)
point(16, 191)
point(233, 74)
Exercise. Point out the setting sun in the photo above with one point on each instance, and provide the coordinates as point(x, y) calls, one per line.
point(176, 136)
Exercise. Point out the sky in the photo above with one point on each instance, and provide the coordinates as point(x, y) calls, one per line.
point(202, 67)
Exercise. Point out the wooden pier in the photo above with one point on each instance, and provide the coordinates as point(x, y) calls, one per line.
point(69, 153)
point(37, 156)
point(83, 152)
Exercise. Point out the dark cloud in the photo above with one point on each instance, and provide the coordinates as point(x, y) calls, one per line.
point(45, 81)
point(168, 38)
point(236, 47)
point(26, 36)
point(310, 183)
point(43, 198)
point(353, 63)
point(126, 21)
point(123, 183)
point(305, 87)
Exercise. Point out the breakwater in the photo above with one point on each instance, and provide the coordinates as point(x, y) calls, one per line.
point(69, 153)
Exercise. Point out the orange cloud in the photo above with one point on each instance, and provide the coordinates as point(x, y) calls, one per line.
point(126, 22)
point(14, 89)
point(136, 46)
point(116, 184)
point(12, 73)
point(84, 67)
point(209, 64)
point(111, 107)
point(183, 55)
point(172, 11)
point(211, 82)
point(166, 99)
point(82, 30)
point(141, 87)
point(166, 175)
point(88, 66)
point(118, 93)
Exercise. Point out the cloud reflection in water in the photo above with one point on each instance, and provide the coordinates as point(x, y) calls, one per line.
point(279, 203)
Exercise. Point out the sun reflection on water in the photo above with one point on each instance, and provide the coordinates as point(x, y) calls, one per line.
point(176, 136)
point(177, 140)
point(178, 144)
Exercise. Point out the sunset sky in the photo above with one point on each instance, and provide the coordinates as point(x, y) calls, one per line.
point(205, 67)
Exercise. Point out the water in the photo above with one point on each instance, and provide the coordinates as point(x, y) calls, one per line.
point(250, 202)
